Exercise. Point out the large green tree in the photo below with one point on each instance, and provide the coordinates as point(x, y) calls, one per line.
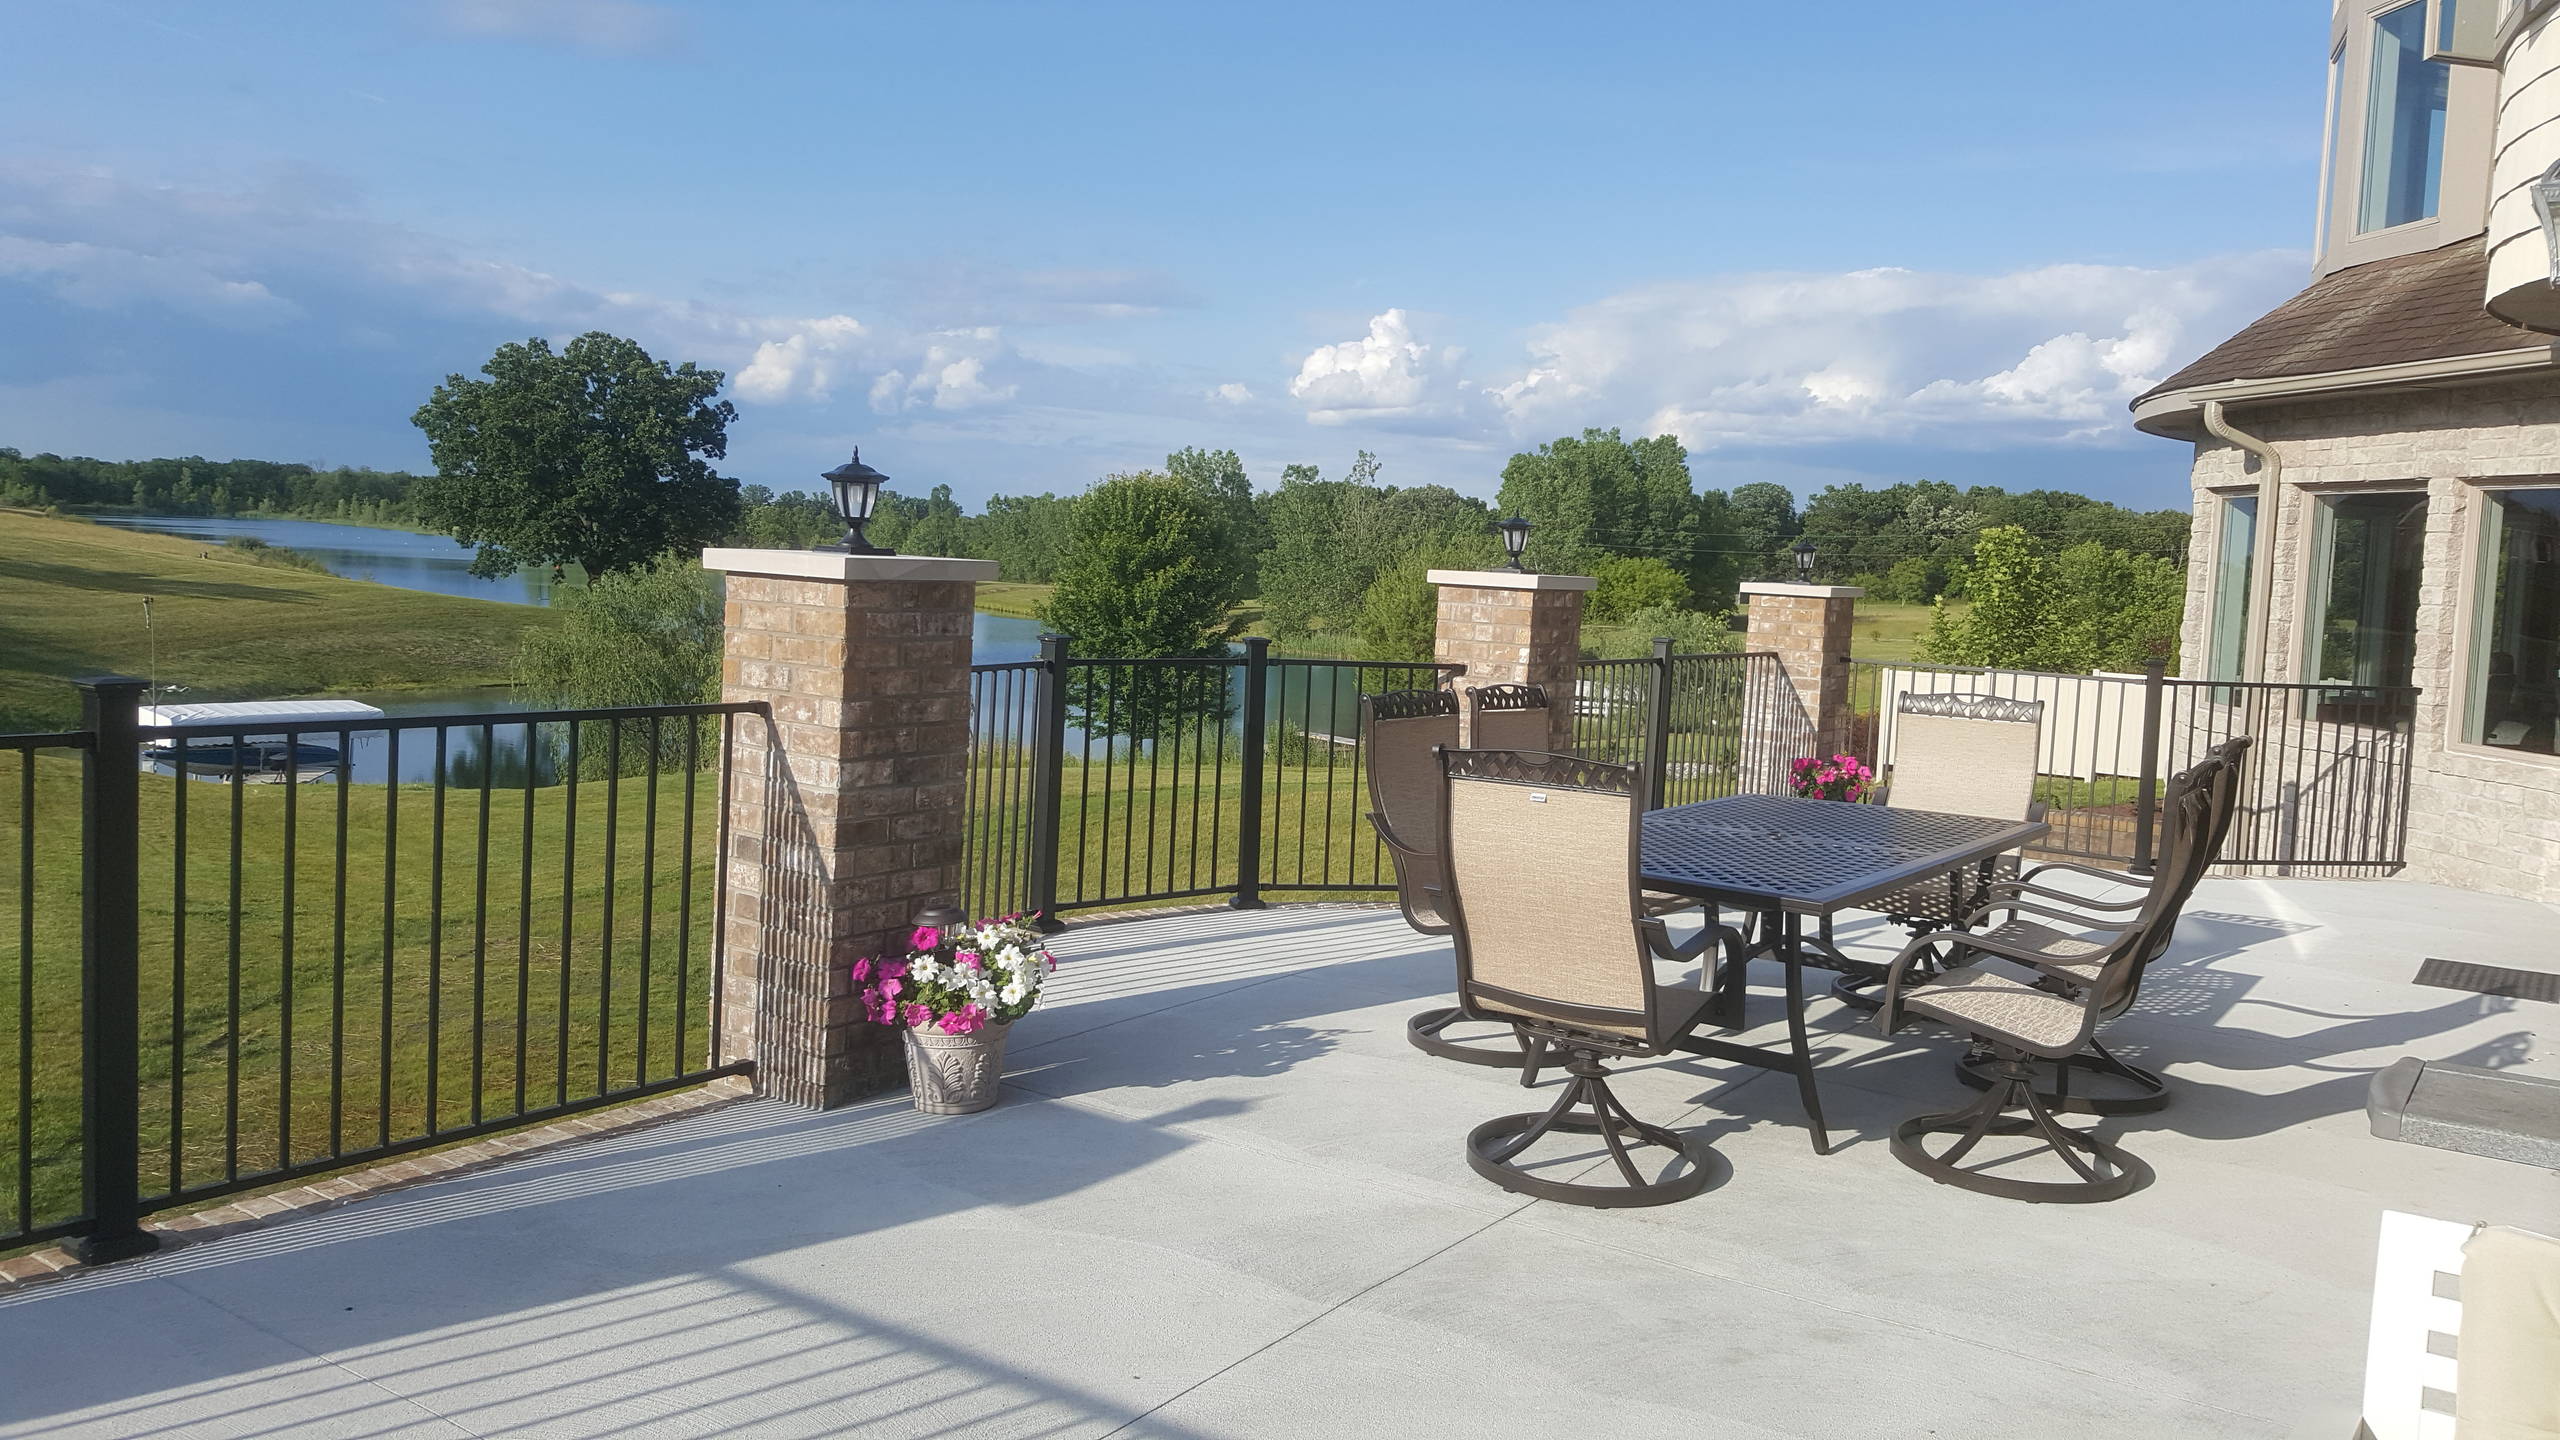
point(596, 454)
point(1592, 496)
point(1332, 539)
point(2088, 608)
point(1145, 576)
point(1219, 475)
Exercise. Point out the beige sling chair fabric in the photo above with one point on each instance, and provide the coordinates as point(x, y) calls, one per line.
point(1546, 869)
point(1508, 717)
point(1402, 733)
point(1960, 755)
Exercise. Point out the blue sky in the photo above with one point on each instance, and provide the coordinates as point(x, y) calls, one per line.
point(1012, 247)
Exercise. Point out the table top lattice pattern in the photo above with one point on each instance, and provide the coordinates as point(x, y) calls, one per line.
point(1812, 856)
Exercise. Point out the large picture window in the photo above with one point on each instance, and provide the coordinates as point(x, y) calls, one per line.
point(2234, 559)
point(2373, 550)
point(2405, 95)
point(2515, 635)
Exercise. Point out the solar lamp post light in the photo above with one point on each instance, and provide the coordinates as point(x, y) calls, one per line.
point(857, 493)
point(1515, 539)
point(1804, 561)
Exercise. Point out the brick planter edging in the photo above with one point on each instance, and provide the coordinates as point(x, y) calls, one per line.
point(329, 1192)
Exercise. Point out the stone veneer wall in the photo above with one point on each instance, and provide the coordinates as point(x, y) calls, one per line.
point(2478, 819)
point(845, 817)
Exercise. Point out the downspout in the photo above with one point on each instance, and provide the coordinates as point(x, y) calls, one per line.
point(2262, 568)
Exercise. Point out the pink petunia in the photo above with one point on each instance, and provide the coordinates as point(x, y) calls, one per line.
point(892, 970)
point(917, 1015)
point(924, 938)
point(967, 1020)
point(862, 971)
point(891, 989)
point(969, 960)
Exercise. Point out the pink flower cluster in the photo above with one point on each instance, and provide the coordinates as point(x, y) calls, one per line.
point(1842, 777)
point(939, 985)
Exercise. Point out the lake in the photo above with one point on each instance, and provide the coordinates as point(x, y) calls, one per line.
point(1314, 697)
point(441, 565)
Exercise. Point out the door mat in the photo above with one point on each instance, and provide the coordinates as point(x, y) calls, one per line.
point(2491, 980)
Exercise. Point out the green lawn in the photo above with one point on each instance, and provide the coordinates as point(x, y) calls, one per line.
point(227, 628)
point(1889, 631)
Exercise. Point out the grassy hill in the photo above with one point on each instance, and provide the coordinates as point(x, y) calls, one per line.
point(227, 627)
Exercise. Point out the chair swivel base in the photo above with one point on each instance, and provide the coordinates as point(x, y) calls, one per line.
point(1587, 1107)
point(1423, 1031)
point(2106, 1171)
point(2064, 1096)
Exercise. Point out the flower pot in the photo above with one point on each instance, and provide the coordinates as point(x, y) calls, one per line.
point(955, 1074)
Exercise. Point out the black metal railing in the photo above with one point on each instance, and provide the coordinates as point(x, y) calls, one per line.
point(303, 945)
point(43, 820)
point(2326, 786)
point(1701, 726)
point(1098, 782)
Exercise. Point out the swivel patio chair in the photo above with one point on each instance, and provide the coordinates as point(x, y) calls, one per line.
point(1541, 853)
point(2148, 1090)
point(1959, 755)
point(1401, 733)
point(1508, 717)
point(2018, 1023)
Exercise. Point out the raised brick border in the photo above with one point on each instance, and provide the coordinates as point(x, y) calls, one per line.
point(256, 1212)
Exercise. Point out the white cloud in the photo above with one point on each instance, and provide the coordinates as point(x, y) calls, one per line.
point(951, 375)
point(2043, 355)
point(620, 26)
point(804, 365)
point(1232, 393)
point(100, 277)
point(1385, 375)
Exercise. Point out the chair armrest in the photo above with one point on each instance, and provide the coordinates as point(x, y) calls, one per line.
point(1387, 833)
point(2036, 811)
point(2048, 912)
point(2139, 882)
point(1889, 1014)
point(1657, 939)
point(1998, 888)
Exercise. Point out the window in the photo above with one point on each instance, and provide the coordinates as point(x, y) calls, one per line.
point(2235, 554)
point(2368, 612)
point(2404, 123)
point(2515, 635)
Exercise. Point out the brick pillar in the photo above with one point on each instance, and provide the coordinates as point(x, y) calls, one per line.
point(1514, 629)
point(845, 812)
point(1809, 626)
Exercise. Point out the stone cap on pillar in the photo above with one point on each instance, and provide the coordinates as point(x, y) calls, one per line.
point(836, 565)
point(1511, 580)
point(1808, 592)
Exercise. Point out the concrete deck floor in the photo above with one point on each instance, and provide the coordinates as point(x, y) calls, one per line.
point(1223, 1198)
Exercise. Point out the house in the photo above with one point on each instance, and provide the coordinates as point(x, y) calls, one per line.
point(2377, 460)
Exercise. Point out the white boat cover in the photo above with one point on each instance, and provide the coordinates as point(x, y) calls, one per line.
point(282, 712)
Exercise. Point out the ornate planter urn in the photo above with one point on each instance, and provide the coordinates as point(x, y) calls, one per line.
point(955, 1074)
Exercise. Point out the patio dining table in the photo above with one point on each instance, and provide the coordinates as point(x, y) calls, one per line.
point(1783, 859)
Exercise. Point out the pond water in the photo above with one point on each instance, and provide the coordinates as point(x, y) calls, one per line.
point(1312, 697)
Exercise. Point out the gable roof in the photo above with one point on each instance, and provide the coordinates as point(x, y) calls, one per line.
point(2425, 306)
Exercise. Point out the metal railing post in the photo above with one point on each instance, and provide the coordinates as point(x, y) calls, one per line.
point(1048, 767)
point(110, 972)
point(1257, 670)
point(2146, 793)
point(1657, 727)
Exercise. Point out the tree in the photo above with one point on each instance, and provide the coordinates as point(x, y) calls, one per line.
point(1599, 495)
point(2090, 608)
point(1145, 576)
point(1219, 475)
point(1691, 632)
point(1762, 518)
point(597, 455)
point(644, 636)
point(1331, 539)
point(1629, 583)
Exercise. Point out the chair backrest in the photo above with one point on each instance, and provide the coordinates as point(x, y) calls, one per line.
point(1508, 717)
point(1542, 854)
point(2195, 813)
point(1401, 732)
point(1965, 755)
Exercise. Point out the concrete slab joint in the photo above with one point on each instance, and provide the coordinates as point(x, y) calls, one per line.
point(846, 814)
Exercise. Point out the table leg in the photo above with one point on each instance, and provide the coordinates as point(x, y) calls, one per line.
point(1791, 952)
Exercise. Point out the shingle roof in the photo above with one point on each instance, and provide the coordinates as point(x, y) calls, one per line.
point(2410, 307)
